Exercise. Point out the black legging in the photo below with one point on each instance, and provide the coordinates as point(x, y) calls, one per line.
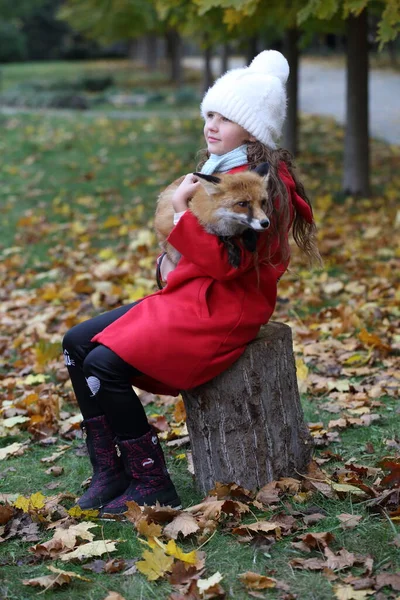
point(101, 379)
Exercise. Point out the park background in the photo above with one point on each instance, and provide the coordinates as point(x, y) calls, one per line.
point(99, 110)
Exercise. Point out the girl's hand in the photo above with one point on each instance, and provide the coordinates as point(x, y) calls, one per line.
point(166, 267)
point(185, 192)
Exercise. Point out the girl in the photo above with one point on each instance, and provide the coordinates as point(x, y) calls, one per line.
point(201, 322)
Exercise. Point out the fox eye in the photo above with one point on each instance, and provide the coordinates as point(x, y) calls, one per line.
point(243, 203)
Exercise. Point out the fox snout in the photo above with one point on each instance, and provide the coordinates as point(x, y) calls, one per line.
point(260, 224)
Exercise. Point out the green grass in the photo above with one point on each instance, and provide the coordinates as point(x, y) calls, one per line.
point(62, 178)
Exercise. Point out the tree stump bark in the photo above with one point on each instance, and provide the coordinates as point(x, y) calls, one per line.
point(247, 425)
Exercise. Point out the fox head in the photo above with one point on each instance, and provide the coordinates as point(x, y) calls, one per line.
point(231, 203)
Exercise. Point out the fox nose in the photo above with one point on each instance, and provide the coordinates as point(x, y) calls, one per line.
point(264, 223)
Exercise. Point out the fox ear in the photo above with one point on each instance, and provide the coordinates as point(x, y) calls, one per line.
point(208, 182)
point(262, 169)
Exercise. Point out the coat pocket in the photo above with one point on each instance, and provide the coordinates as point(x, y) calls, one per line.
point(203, 308)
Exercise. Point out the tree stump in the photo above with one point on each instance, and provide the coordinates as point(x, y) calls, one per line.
point(247, 424)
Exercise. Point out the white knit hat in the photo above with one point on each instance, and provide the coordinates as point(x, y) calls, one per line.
point(254, 96)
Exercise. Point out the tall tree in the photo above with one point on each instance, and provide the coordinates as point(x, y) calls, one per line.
point(354, 13)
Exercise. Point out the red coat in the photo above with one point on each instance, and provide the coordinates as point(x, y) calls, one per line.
point(201, 322)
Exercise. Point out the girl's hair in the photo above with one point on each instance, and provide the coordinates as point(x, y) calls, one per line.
point(304, 233)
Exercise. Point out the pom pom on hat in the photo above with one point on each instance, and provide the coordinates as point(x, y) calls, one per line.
point(254, 96)
point(271, 62)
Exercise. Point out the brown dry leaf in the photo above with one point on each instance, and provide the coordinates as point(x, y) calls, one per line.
point(312, 564)
point(268, 494)
point(6, 513)
point(388, 579)
point(346, 592)
point(55, 471)
point(349, 521)
point(258, 527)
point(134, 512)
point(148, 529)
point(59, 578)
point(255, 581)
point(114, 596)
point(393, 478)
point(182, 573)
point(341, 560)
point(317, 540)
point(313, 518)
point(184, 523)
point(160, 514)
point(115, 565)
point(69, 536)
point(91, 549)
point(289, 484)
point(179, 411)
point(209, 509)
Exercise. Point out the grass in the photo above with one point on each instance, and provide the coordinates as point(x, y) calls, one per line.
point(62, 180)
point(130, 88)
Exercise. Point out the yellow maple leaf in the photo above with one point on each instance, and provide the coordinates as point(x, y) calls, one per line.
point(78, 513)
point(155, 563)
point(112, 221)
point(34, 502)
point(346, 592)
point(188, 557)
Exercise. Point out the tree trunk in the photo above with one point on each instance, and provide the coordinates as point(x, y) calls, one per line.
point(252, 49)
point(225, 57)
point(356, 150)
point(151, 51)
point(174, 50)
point(291, 50)
point(391, 46)
point(246, 425)
point(208, 78)
point(133, 51)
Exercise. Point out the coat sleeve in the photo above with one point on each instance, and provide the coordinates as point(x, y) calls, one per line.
point(205, 249)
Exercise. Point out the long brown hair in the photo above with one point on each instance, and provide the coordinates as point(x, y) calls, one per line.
point(304, 233)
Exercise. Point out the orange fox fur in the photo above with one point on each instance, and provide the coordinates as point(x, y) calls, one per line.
point(225, 205)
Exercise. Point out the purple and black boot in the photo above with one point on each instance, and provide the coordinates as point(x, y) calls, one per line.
point(144, 463)
point(109, 479)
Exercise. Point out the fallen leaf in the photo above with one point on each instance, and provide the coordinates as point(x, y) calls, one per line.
point(155, 563)
point(346, 592)
point(59, 579)
point(349, 521)
point(206, 584)
point(268, 494)
point(255, 581)
point(258, 527)
point(114, 596)
point(6, 513)
point(14, 449)
point(341, 560)
point(148, 529)
point(34, 502)
point(184, 523)
point(96, 548)
point(388, 579)
point(188, 557)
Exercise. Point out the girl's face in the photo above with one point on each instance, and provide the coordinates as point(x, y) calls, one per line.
point(223, 135)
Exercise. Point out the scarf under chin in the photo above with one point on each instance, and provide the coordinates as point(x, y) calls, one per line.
point(225, 162)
